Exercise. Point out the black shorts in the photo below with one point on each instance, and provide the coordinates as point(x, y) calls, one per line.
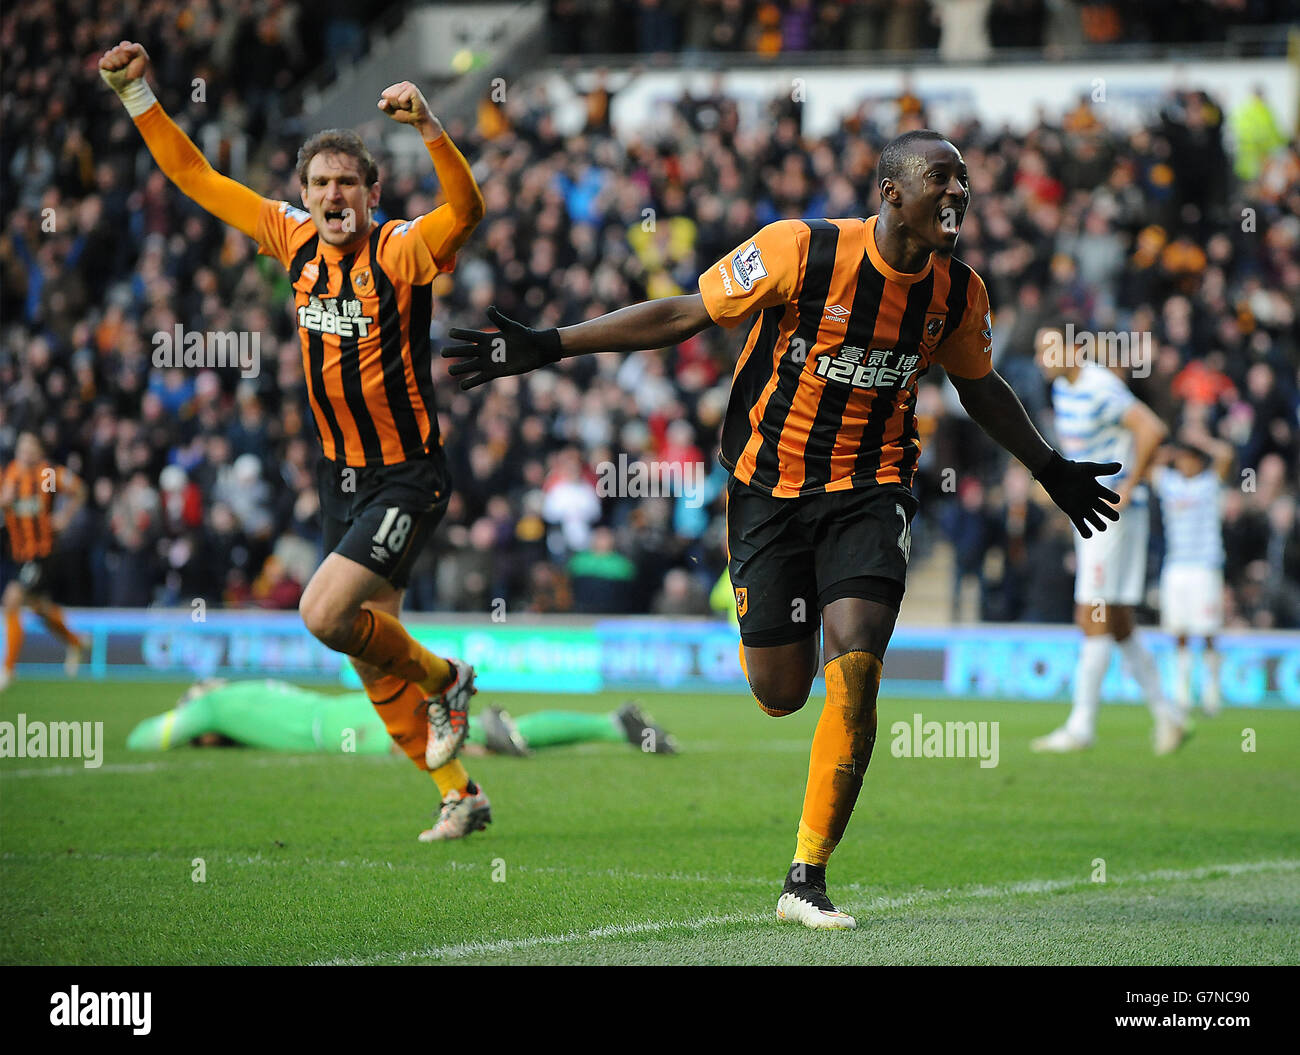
point(790, 557)
point(381, 516)
point(33, 576)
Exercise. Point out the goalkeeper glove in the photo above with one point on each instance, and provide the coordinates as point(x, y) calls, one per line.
point(1074, 488)
point(487, 356)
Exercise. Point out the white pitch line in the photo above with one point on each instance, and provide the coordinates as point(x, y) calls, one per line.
point(704, 747)
point(130, 768)
point(1029, 886)
point(487, 948)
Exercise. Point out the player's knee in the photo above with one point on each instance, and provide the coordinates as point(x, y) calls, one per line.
point(324, 621)
point(777, 700)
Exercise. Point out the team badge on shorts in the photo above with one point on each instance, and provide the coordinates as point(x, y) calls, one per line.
point(742, 601)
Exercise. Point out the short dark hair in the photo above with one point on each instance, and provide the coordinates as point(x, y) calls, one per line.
point(338, 141)
point(899, 154)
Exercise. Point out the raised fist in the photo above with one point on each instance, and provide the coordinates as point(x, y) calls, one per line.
point(123, 64)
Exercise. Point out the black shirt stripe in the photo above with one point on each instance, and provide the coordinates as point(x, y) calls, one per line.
point(421, 317)
point(885, 401)
point(350, 371)
point(830, 411)
point(812, 303)
point(960, 274)
point(748, 386)
point(316, 358)
point(390, 351)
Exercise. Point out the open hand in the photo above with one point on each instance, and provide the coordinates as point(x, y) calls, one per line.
point(514, 350)
point(1074, 488)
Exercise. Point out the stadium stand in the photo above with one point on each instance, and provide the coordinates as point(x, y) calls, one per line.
point(201, 483)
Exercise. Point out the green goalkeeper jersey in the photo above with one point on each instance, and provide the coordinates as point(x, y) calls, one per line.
point(270, 714)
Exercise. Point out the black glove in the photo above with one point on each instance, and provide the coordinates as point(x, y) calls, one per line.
point(487, 356)
point(1074, 488)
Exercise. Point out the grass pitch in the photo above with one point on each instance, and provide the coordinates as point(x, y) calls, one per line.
point(600, 854)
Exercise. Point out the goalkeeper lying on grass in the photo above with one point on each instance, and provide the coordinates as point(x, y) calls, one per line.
point(278, 716)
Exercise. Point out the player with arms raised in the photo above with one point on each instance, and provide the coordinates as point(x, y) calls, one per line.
point(820, 437)
point(1188, 479)
point(363, 297)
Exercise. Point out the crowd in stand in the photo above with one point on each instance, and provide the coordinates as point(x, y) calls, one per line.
point(958, 29)
point(201, 482)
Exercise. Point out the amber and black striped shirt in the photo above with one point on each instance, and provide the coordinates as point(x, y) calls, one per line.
point(29, 518)
point(824, 393)
point(357, 314)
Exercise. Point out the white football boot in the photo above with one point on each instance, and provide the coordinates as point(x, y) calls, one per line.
point(460, 815)
point(449, 716)
point(804, 900)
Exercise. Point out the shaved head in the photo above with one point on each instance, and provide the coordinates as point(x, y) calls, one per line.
point(906, 154)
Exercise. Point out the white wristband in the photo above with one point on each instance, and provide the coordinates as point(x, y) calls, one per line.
point(137, 97)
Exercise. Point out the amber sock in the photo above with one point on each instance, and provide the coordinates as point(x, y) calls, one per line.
point(14, 638)
point(451, 777)
point(380, 640)
point(52, 617)
point(400, 704)
point(841, 752)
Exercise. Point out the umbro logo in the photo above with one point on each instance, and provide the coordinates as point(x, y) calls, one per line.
point(837, 313)
point(380, 554)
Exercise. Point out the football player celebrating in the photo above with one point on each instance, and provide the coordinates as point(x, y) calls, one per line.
point(363, 297)
point(821, 441)
point(29, 486)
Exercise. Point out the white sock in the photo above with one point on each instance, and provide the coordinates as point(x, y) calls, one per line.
point(1183, 686)
point(1142, 666)
point(1211, 683)
point(1094, 658)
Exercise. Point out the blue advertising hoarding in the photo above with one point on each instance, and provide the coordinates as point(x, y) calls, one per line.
point(571, 655)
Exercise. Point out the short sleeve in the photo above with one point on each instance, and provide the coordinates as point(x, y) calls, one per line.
point(968, 351)
point(277, 225)
point(1118, 399)
point(761, 273)
point(404, 253)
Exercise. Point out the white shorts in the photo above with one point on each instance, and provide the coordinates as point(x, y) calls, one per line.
point(1112, 565)
point(1191, 599)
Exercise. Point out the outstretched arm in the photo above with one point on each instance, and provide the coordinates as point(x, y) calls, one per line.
point(449, 226)
point(1073, 486)
point(124, 68)
point(651, 324)
point(516, 349)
